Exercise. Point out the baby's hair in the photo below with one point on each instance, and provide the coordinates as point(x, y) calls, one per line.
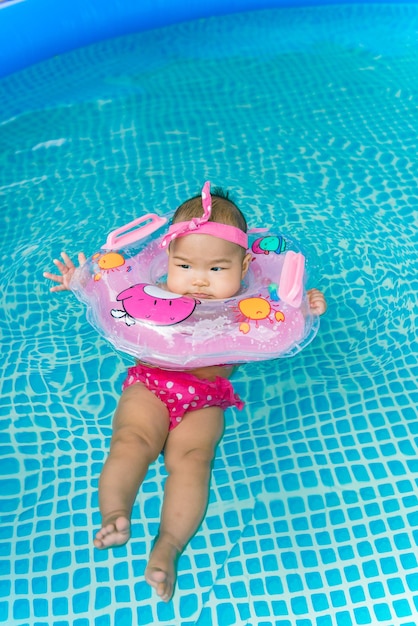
point(224, 210)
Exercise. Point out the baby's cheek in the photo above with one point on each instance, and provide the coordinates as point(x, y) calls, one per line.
point(174, 284)
point(227, 289)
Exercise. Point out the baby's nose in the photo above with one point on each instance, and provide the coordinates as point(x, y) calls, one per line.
point(200, 280)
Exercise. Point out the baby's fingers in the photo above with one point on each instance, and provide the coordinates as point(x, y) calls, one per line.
point(68, 262)
point(317, 302)
point(57, 279)
point(59, 288)
point(81, 258)
point(60, 266)
point(66, 266)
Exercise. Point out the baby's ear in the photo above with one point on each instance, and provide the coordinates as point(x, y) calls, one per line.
point(246, 264)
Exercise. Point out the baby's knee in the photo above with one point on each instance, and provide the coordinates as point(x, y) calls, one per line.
point(201, 455)
point(128, 439)
point(193, 459)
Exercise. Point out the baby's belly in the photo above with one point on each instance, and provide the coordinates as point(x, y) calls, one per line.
point(211, 372)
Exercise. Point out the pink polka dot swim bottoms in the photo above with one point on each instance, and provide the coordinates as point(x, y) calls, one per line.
point(182, 392)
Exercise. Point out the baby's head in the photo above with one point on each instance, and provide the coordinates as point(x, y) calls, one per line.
point(207, 251)
point(224, 210)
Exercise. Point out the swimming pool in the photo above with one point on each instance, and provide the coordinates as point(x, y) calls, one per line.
point(308, 115)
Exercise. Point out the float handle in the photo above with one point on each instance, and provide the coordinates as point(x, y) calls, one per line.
point(291, 279)
point(133, 231)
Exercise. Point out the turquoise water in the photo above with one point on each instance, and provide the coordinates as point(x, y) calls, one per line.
point(309, 117)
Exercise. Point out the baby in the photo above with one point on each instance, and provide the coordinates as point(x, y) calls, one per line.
point(207, 259)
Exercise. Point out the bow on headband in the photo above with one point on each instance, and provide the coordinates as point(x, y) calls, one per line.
point(201, 225)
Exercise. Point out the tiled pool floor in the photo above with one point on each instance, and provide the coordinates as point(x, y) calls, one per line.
point(309, 116)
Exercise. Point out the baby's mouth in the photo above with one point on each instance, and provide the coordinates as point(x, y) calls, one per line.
point(200, 296)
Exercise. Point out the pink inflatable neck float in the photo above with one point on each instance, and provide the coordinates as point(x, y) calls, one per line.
point(268, 319)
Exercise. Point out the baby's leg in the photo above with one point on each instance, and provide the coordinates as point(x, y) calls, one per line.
point(140, 428)
point(189, 453)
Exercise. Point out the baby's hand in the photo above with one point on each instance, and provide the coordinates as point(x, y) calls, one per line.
point(67, 270)
point(316, 300)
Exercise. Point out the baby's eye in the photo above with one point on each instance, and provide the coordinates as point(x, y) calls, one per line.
point(184, 266)
point(216, 269)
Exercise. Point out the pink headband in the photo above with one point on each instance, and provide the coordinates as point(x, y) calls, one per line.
point(202, 226)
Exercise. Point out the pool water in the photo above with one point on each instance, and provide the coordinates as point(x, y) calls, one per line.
point(309, 117)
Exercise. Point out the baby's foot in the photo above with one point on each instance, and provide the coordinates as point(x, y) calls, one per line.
point(113, 533)
point(161, 571)
point(317, 302)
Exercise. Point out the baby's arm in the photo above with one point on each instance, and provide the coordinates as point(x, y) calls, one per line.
point(67, 270)
point(317, 302)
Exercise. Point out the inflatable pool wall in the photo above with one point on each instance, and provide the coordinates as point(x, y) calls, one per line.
point(34, 30)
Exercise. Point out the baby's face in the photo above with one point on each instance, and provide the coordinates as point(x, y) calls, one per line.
point(205, 267)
